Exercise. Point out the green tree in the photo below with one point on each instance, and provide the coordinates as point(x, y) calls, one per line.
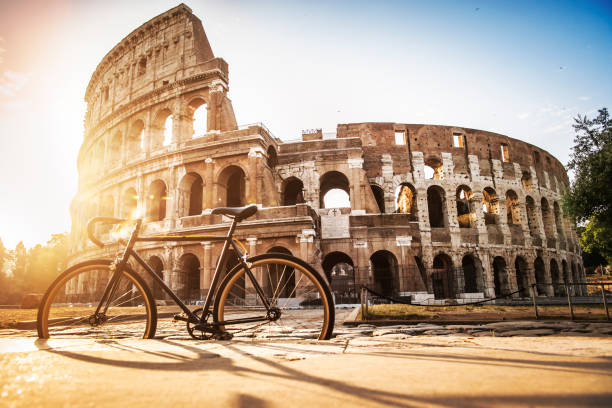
point(589, 198)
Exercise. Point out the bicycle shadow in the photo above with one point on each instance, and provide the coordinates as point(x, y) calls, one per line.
point(271, 368)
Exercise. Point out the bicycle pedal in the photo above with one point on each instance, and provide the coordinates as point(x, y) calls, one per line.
point(180, 317)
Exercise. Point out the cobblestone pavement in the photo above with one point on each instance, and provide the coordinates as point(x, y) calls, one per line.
point(169, 329)
point(493, 365)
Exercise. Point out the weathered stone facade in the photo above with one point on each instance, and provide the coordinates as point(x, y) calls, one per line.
point(434, 210)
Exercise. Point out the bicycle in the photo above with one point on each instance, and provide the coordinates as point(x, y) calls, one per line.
point(274, 295)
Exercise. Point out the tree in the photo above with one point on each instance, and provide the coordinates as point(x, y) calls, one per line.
point(589, 198)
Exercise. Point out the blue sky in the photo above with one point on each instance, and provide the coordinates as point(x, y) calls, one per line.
point(523, 69)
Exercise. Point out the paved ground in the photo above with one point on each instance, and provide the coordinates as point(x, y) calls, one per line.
point(518, 364)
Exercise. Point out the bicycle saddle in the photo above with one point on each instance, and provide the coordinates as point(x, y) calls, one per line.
point(239, 213)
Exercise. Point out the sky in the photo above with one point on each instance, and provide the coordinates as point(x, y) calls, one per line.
point(523, 69)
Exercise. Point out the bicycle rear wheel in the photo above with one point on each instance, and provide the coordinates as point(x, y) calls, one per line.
point(69, 306)
point(302, 304)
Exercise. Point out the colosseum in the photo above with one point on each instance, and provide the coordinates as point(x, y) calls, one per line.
point(426, 212)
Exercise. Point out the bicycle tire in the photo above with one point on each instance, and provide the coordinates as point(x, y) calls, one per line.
point(300, 294)
point(67, 308)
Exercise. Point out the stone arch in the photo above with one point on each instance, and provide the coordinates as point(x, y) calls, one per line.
point(532, 220)
point(231, 187)
point(555, 276)
point(156, 201)
point(197, 111)
point(558, 220)
point(379, 196)
point(115, 148)
point(293, 191)
point(338, 185)
point(135, 137)
point(500, 276)
point(384, 271)
point(161, 131)
point(490, 206)
point(271, 157)
point(436, 204)
point(189, 271)
point(442, 277)
point(433, 169)
point(521, 270)
point(527, 181)
point(190, 195)
point(547, 219)
point(406, 201)
point(472, 274)
point(129, 203)
point(513, 210)
point(540, 276)
point(465, 207)
point(340, 273)
point(157, 265)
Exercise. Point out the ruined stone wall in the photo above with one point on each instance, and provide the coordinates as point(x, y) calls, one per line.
point(480, 214)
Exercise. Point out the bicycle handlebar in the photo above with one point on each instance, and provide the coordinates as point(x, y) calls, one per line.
point(95, 220)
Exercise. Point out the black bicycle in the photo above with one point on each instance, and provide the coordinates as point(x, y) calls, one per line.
point(275, 296)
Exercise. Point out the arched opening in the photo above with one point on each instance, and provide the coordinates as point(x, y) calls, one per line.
point(334, 190)
point(556, 277)
point(465, 210)
point(272, 157)
point(340, 273)
point(547, 219)
point(135, 138)
point(231, 187)
point(189, 267)
point(442, 278)
point(532, 220)
point(558, 222)
point(281, 279)
point(433, 169)
point(384, 270)
point(190, 195)
point(472, 274)
point(293, 191)
point(436, 204)
point(161, 134)
point(527, 181)
point(198, 110)
point(156, 208)
point(575, 280)
point(115, 148)
point(522, 276)
point(129, 204)
point(540, 276)
point(513, 209)
point(500, 276)
point(158, 267)
point(490, 206)
point(406, 202)
point(379, 196)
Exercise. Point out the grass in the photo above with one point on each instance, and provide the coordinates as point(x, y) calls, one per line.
point(481, 312)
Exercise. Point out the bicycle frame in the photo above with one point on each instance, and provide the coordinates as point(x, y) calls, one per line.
point(192, 318)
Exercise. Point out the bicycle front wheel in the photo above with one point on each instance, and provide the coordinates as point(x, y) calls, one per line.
point(301, 304)
point(75, 305)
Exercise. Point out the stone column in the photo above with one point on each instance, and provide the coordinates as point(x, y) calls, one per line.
point(362, 266)
point(207, 269)
point(254, 193)
point(355, 166)
point(208, 197)
point(406, 277)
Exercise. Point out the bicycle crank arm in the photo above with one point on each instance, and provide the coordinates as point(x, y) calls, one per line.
point(244, 320)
